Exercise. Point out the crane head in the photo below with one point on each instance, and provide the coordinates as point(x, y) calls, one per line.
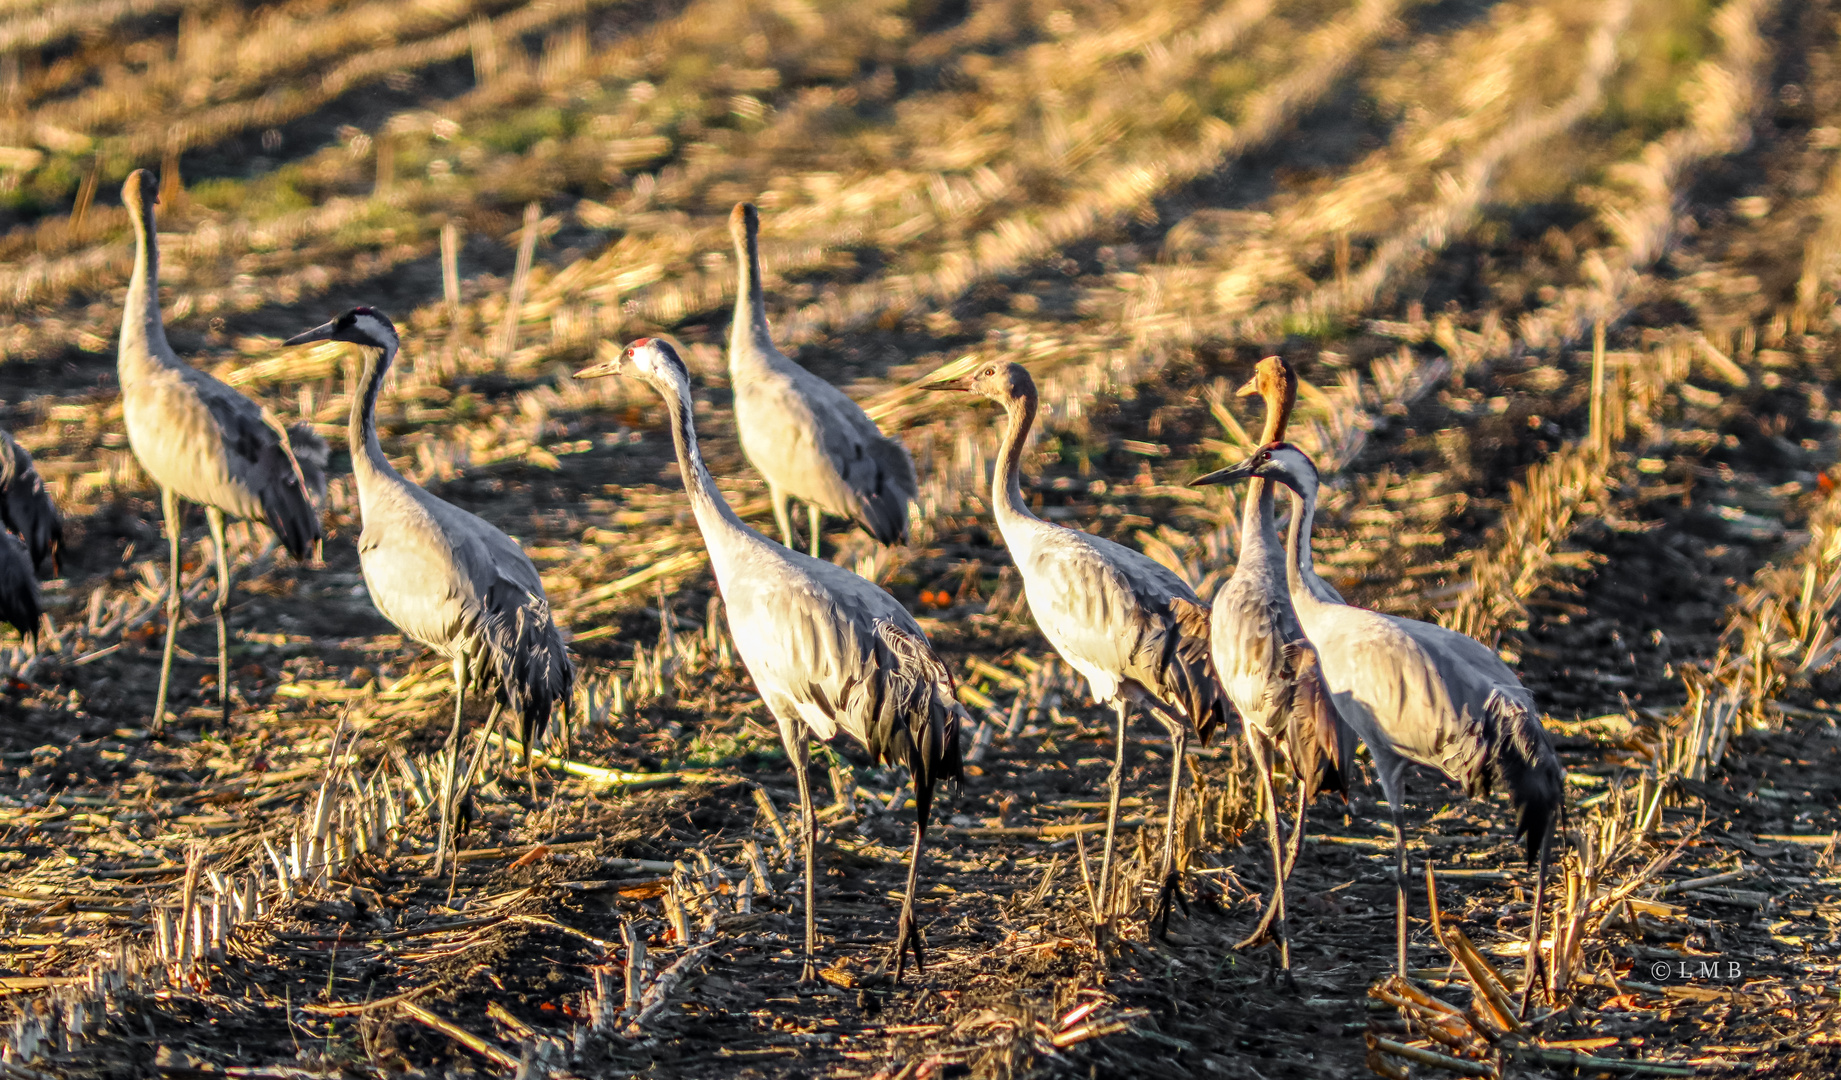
point(1276, 381)
point(140, 191)
point(995, 379)
point(361, 326)
point(1280, 462)
point(650, 359)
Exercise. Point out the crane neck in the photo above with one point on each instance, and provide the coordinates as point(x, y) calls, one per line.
point(1007, 483)
point(1306, 588)
point(1259, 542)
point(715, 517)
point(143, 346)
point(368, 460)
point(750, 341)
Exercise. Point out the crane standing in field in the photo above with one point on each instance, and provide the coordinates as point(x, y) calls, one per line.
point(1416, 693)
point(1269, 669)
point(445, 577)
point(203, 442)
point(828, 651)
point(804, 436)
point(1135, 630)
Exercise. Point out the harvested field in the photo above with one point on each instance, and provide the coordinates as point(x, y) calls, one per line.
point(1561, 279)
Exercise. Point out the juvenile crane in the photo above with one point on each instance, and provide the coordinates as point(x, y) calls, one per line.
point(828, 651)
point(203, 442)
point(445, 577)
point(1416, 693)
point(805, 438)
point(1131, 626)
point(1268, 667)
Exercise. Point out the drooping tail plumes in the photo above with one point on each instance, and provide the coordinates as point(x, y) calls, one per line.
point(26, 509)
point(1522, 759)
point(1322, 747)
point(1187, 667)
point(310, 453)
point(916, 719)
point(286, 505)
point(19, 601)
point(527, 653)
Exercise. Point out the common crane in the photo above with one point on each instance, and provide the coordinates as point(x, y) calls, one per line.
point(445, 577)
point(203, 442)
point(829, 652)
point(1135, 630)
point(1416, 693)
point(1269, 668)
point(804, 436)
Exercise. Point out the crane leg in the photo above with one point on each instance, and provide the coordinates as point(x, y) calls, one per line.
point(1291, 863)
point(466, 785)
point(1172, 892)
point(808, 829)
point(813, 515)
point(216, 518)
point(780, 514)
point(453, 763)
point(1112, 817)
point(1532, 971)
point(1275, 913)
point(169, 513)
point(907, 933)
point(1393, 804)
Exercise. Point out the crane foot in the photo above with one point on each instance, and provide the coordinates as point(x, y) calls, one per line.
point(1170, 897)
point(808, 972)
point(908, 935)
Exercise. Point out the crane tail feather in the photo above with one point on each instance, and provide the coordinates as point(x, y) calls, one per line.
point(26, 508)
point(1322, 745)
point(1188, 674)
point(1522, 758)
point(530, 660)
point(915, 712)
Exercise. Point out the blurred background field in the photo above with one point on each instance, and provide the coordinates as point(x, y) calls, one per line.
point(1561, 280)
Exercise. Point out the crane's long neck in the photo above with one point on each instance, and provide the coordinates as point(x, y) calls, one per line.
point(750, 342)
point(1007, 483)
point(143, 333)
point(368, 460)
point(1259, 543)
point(1307, 589)
point(716, 519)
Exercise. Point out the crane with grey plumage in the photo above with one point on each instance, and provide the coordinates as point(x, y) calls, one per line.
point(205, 443)
point(1135, 630)
point(829, 652)
point(447, 578)
point(804, 436)
point(1416, 693)
point(1268, 667)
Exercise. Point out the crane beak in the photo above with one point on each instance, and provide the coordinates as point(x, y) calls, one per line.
point(957, 386)
point(609, 359)
point(1248, 388)
point(322, 332)
point(1242, 471)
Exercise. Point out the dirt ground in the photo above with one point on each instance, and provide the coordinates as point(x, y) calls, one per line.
point(630, 906)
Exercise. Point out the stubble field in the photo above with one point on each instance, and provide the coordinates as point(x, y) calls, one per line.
point(1432, 209)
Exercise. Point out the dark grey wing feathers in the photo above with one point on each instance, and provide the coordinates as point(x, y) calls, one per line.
point(26, 508)
point(19, 602)
point(260, 457)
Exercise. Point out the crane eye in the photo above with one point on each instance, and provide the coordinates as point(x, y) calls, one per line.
point(990, 371)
